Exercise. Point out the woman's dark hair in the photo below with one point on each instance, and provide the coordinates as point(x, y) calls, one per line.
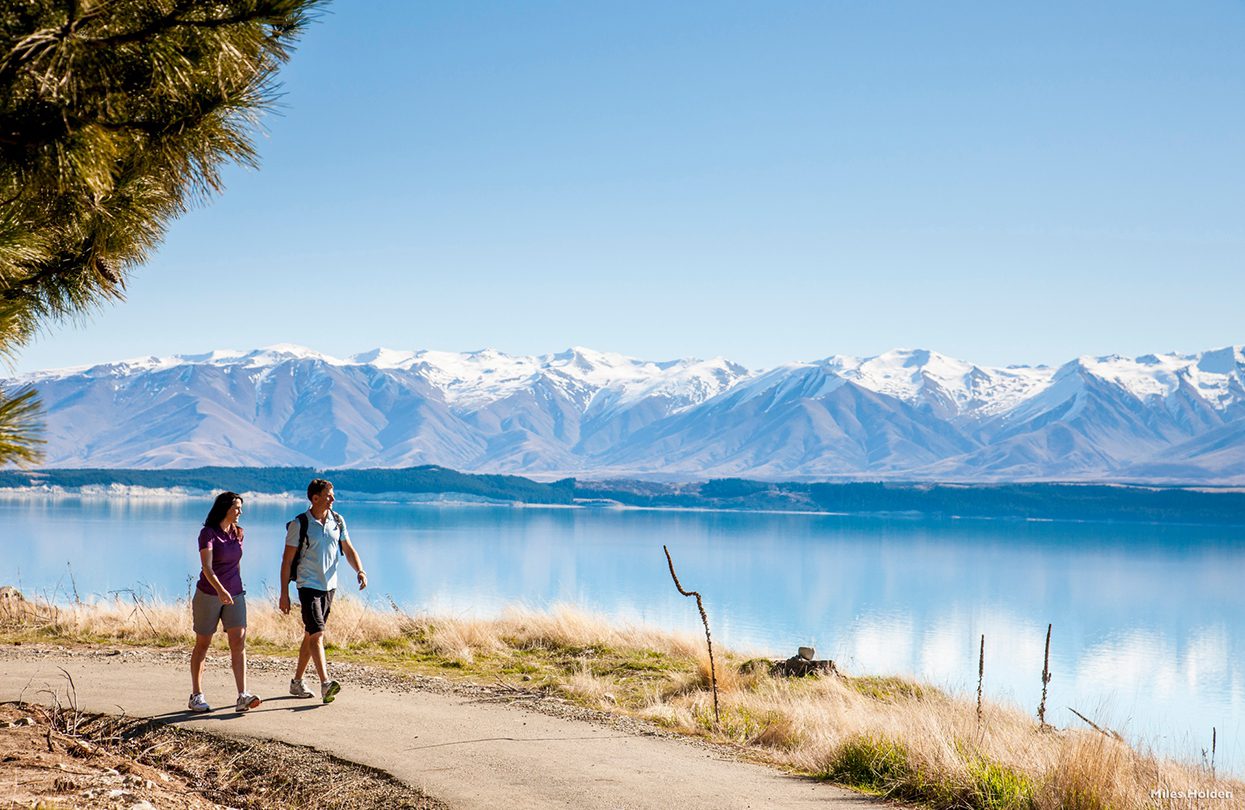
point(220, 508)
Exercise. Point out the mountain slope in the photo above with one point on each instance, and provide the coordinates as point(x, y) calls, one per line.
point(903, 414)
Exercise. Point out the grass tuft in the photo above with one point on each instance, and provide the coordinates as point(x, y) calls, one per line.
point(998, 787)
point(873, 764)
point(889, 688)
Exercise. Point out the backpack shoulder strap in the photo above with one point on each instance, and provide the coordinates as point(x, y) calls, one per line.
point(302, 542)
point(341, 526)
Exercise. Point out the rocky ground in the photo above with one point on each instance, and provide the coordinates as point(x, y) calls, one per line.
point(57, 756)
point(44, 766)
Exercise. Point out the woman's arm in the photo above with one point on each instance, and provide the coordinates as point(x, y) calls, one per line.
point(205, 557)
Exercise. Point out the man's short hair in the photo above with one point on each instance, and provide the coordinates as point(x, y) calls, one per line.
point(317, 486)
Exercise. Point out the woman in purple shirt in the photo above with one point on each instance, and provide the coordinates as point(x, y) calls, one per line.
point(219, 599)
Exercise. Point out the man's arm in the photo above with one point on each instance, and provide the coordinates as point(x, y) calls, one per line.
point(352, 557)
point(287, 560)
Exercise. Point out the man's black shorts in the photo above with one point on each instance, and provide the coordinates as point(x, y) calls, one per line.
point(316, 605)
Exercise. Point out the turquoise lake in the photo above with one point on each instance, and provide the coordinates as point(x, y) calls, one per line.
point(1149, 620)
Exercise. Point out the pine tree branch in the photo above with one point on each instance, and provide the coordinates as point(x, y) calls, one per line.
point(115, 117)
point(21, 439)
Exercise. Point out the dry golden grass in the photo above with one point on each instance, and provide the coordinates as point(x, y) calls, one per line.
point(886, 735)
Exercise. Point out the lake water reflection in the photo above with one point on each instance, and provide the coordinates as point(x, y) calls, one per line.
point(1148, 619)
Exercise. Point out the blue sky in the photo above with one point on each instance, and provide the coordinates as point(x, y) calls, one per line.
point(1005, 183)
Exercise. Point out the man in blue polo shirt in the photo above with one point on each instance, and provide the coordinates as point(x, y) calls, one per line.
point(318, 539)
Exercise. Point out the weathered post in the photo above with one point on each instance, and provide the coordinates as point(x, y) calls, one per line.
point(713, 675)
point(1045, 680)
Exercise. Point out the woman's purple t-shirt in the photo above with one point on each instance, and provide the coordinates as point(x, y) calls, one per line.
point(226, 558)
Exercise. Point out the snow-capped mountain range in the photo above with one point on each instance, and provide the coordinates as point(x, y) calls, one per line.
point(906, 414)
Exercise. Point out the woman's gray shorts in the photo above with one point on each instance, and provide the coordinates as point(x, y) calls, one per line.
point(208, 612)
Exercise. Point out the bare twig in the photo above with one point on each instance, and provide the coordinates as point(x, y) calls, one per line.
point(1106, 732)
point(1045, 680)
point(700, 605)
point(71, 694)
point(139, 607)
point(406, 622)
point(77, 600)
point(981, 674)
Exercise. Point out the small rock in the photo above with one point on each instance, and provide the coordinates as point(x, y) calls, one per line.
point(112, 772)
point(143, 805)
point(807, 653)
point(610, 697)
point(795, 666)
point(527, 677)
point(79, 748)
point(164, 777)
point(64, 784)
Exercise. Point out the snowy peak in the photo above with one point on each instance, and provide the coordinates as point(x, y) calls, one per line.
point(917, 376)
point(907, 412)
point(680, 383)
point(904, 373)
point(921, 376)
point(1218, 376)
point(384, 358)
point(1228, 360)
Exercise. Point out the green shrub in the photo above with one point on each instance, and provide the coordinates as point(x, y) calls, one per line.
point(997, 787)
point(875, 764)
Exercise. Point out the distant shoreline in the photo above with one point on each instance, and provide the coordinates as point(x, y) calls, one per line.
point(1030, 502)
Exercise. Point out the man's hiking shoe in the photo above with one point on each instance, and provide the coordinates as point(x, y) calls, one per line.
point(247, 701)
point(298, 689)
point(329, 690)
point(198, 703)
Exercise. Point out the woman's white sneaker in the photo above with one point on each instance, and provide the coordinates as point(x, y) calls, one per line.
point(198, 703)
point(298, 689)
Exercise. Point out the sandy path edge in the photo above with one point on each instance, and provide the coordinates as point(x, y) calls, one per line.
point(463, 751)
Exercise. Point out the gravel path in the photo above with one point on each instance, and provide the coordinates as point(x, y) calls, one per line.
point(470, 746)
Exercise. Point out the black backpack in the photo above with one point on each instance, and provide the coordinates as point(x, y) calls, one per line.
point(302, 538)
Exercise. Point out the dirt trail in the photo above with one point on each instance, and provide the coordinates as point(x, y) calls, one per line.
point(465, 752)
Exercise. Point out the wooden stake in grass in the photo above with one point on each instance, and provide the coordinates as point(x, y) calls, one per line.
point(981, 674)
point(1045, 680)
point(713, 675)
